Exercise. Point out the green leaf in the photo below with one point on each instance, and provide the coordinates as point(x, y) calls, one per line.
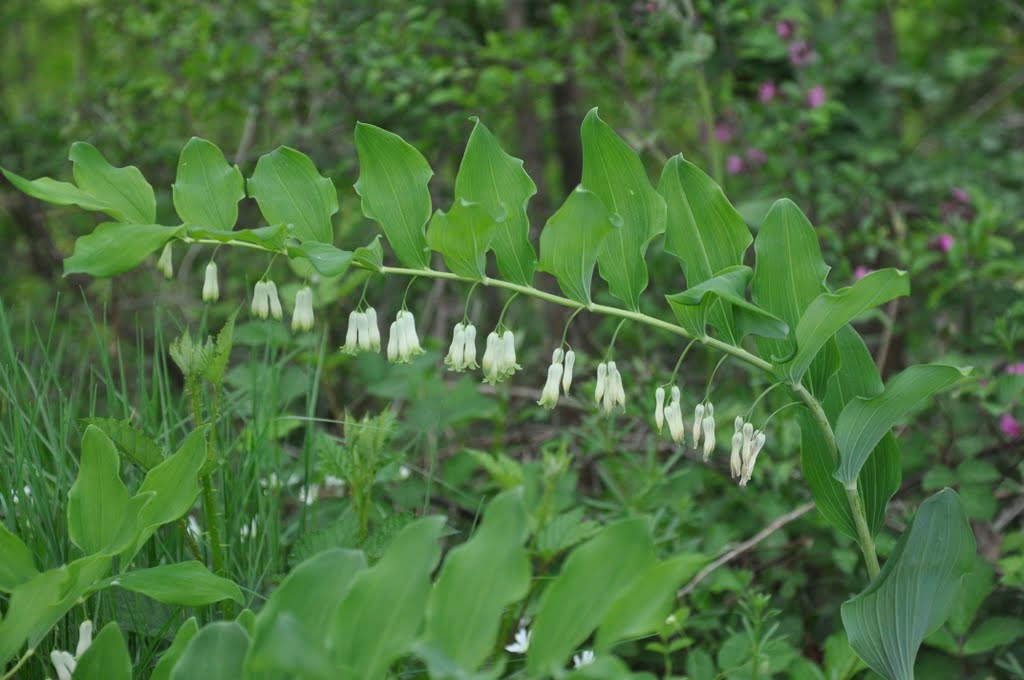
point(914, 593)
point(324, 257)
point(207, 189)
point(271, 238)
point(131, 441)
point(703, 230)
point(310, 597)
point(478, 581)
point(497, 181)
point(125, 192)
point(643, 606)
point(977, 586)
point(578, 599)
point(790, 273)
point(114, 248)
point(58, 193)
point(380, 615)
point(392, 183)
point(613, 171)
point(831, 311)
point(997, 631)
point(841, 662)
point(864, 421)
point(170, 657)
point(370, 256)
point(186, 583)
point(98, 498)
point(17, 565)
point(463, 236)
point(729, 285)
point(215, 653)
point(570, 242)
point(290, 190)
point(106, 658)
point(881, 475)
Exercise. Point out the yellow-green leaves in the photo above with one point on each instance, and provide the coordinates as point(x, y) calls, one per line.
point(123, 192)
point(498, 183)
point(915, 592)
point(393, 179)
point(571, 240)
point(613, 171)
point(462, 236)
point(864, 421)
point(98, 498)
point(207, 190)
point(289, 190)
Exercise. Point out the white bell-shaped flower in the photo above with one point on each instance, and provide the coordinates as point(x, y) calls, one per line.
point(166, 262)
point(735, 458)
point(522, 642)
point(270, 290)
point(363, 332)
point(584, 659)
point(393, 334)
point(352, 333)
point(63, 662)
point(372, 328)
point(674, 417)
point(659, 408)
point(469, 348)
point(570, 361)
point(614, 395)
point(491, 357)
point(302, 316)
point(411, 338)
point(508, 355)
point(708, 427)
point(260, 302)
point(403, 335)
point(211, 290)
point(602, 382)
point(748, 463)
point(456, 358)
point(549, 395)
point(698, 419)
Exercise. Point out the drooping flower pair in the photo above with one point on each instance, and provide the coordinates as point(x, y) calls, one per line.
point(403, 342)
point(63, 662)
point(499, 362)
point(746, 444)
point(302, 316)
point(363, 334)
point(671, 413)
point(704, 427)
point(265, 301)
point(462, 353)
point(559, 374)
point(609, 392)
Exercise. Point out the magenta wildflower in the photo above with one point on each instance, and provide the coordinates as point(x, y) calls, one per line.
point(756, 156)
point(960, 195)
point(723, 132)
point(800, 53)
point(734, 164)
point(766, 93)
point(816, 97)
point(1015, 368)
point(1009, 426)
point(785, 29)
point(860, 272)
point(945, 242)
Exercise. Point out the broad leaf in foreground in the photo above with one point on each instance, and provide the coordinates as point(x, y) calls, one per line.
point(290, 190)
point(207, 190)
point(571, 240)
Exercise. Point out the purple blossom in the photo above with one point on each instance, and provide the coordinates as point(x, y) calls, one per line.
point(816, 97)
point(860, 272)
point(961, 196)
point(766, 92)
point(1009, 426)
point(945, 242)
point(723, 132)
point(785, 29)
point(756, 156)
point(801, 53)
point(734, 164)
point(983, 383)
point(1015, 368)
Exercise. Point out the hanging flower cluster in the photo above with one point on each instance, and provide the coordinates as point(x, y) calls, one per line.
point(265, 301)
point(559, 373)
point(211, 290)
point(746, 444)
point(403, 343)
point(363, 334)
point(609, 393)
point(302, 317)
point(462, 353)
point(499, 362)
point(63, 662)
point(672, 414)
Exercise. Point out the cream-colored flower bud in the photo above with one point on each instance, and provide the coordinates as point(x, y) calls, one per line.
point(393, 334)
point(372, 328)
point(602, 382)
point(260, 306)
point(456, 358)
point(698, 418)
point(351, 345)
point(659, 408)
point(270, 290)
point(549, 395)
point(735, 458)
point(570, 361)
point(491, 357)
point(211, 290)
point(708, 426)
point(557, 355)
point(166, 262)
point(469, 348)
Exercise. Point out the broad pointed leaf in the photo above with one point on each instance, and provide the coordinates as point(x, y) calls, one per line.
point(106, 658)
point(114, 248)
point(324, 257)
point(187, 631)
point(207, 190)
point(98, 498)
point(497, 181)
point(613, 171)
point(370, 256)
point(914, 593)
point(125, 192)
point(571, 240)
point(864, 421)
point(216, 652)
point(462, 236)
point(186, 583)
point(728, 286)
point(393, 179)
point(58, 193)
point(290, 190)
point(17, 565)
point(831, 311)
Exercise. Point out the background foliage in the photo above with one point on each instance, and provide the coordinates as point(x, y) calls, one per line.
point(895, 127)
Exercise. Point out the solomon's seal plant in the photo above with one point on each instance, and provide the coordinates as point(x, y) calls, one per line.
point(778, 317)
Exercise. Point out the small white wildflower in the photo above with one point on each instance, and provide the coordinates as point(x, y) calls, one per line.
point(735, 458)
point(211, 291)
point(671, 620)
point(333, 483)
point(456, 359)
point(309, 494)
point(84, 638)
point(260, 301)
point(557, 355)
point(63, 662)
point(676, 427)
point(698, 417)
point(270, 290)
point(403, 344)
point(508, 355)
point(708, 426)
point(166, 262)
point(584, 659)
point(412, 339)
point(372, 328)
point(194, 528)
point(659, 408)
point(469, 348)
point(352, 333)
point(522, 642)
point(248, 531)
point(363, 333)
point(393, 342)
point(602, 382)
point(549, 395)
point(490, 360)
point(404, 472)
point(570, 361)
point(615, 383)
point(748, 463)
point(302, 317)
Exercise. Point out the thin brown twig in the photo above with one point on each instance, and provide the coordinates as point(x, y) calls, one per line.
point(743, 547)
